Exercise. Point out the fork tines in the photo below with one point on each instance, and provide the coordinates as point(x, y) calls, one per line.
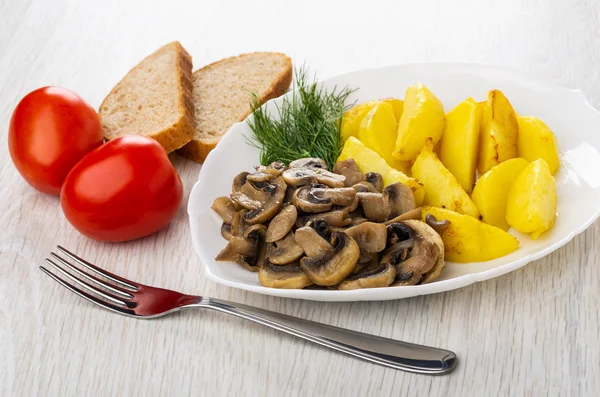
point(114, 293)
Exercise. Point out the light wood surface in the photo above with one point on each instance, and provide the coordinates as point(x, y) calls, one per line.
point(532, 332)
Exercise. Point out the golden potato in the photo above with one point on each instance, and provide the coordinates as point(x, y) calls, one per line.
point(536, 141)
point(423, 118)
point(353, 117)
point(369, 161)
point(499, 130)
point(531, 206)
point(441, 187)
point(491, 192)
point(378, 131)
point(398, 105)
point(459, 145)
point(467, 239)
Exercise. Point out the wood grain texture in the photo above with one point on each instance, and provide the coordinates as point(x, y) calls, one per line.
point(532, 332)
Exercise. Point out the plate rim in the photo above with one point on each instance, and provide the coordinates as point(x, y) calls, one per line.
point(410, 291)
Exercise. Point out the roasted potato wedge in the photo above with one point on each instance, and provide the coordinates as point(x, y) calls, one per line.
point(441, 187)
point(378, 131)
point(369, 161)
point(531, 206)
point(422, 118)
point(353, 117)
point(467, 239)
point(459, 145)
point(499, 130)
point(491, 192)
point(536, 141)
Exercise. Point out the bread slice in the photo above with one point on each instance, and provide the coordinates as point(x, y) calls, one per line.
point(154, 99)
point(222, 95)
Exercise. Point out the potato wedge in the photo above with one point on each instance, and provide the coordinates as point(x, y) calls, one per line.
point(499, 130)
point(441, 187)
point(378, 131)
point(491, 192)
point(467, 239)
point(423, 118)
point(531, 206)
point(397, 105)
point(369, 161)
point(353, 117)
point(536, 141)
point(459, 145)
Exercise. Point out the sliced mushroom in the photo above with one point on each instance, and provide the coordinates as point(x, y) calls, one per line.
point(412, 214)
point(333, 218)
point(342, 196)
point(425, 255)
point(309, 162)
point(329, 178)
point(374, 206)
point(227, 254)
point(257, 258)
point(299, 176)
point(238, 224)
point(399, 199)
point(334, 265)
point(350, 170)
point(371, 277)
point(438, 226)
point(370, 237)
point(224, 207)
point(271, 205)
point(312, 243)
point(282, 223)
point(375, 179)
point(239, 181)
point(365, 187)
point(226, 231)
point(265, 174)
point(286, 250)
point(352, 207)
point(321, 227)
point(289, 194)
point(307, 201)
point(287, 276)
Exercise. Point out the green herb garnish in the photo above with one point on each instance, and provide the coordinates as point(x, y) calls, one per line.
point(308, 124)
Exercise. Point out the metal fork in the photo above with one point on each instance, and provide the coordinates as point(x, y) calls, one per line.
point(141, 301)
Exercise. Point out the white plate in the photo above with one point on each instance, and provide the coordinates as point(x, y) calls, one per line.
point(575, 123)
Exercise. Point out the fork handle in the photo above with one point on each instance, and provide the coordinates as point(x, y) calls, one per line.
point(388, 352)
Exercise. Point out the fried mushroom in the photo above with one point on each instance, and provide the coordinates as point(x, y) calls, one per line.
point(286, 250)
point(282, 223)
point(379, 276)
point(371, 237)
point(334, 265)
point(349, 169)
point(288, 276)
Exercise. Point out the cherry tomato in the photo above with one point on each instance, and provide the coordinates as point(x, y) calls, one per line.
point(51, 129)
point(123, 190)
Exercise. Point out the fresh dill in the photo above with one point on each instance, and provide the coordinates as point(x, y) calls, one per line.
point(308, 124)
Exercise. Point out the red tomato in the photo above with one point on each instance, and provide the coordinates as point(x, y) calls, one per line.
point(123, 190)
point(50, 130)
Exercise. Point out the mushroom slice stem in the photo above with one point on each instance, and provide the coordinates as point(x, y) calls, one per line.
point(336, 264)
point(399, 199)
point(245, 202)
point(313, 245)
point(224, 207)
point(412, 214)
point(371, 277)
point(333, 218)
point(364, 187)
point(286, 250)
point(371, 237)
point(342, 196)
point(288, 276)
point(299, 176)
point(438, 226)
point(374, 206)
point(282, 223)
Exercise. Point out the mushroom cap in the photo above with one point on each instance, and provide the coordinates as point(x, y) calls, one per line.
point(371, 237)
point(282, 223)
point(364, 187)
point(375, 179)
point(399, 199)
point(286, 250)
point(349, 169)
point(336, 264)
point(271, 204)
point(286, 276)
point(224, 207)
point(313, 244)
point(307, 201)
point(381, 275)
point(374, 206)
point(265, 174)
point(239, 181)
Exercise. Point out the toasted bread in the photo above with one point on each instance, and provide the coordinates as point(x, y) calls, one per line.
point(222, 95)
point(154, 99)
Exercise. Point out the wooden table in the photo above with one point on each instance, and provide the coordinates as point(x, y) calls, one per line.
point(532, 332)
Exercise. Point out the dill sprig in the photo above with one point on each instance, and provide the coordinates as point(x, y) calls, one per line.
point(308, 124)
